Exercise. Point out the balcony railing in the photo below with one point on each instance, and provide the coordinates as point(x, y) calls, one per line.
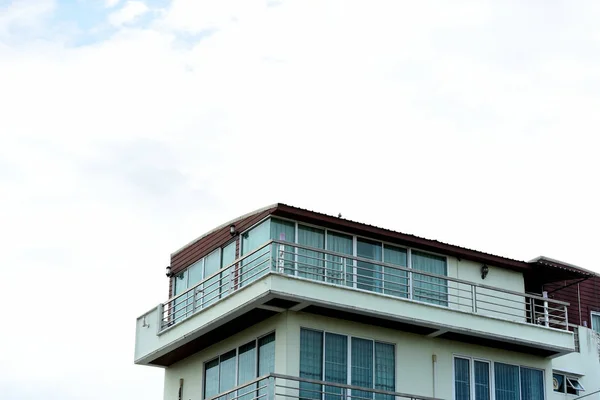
point(355, 273)
point(283, 387)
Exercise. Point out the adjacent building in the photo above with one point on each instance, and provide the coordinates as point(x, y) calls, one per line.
point(288, 303)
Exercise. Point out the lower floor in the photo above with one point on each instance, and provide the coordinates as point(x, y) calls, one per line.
point(316, 348)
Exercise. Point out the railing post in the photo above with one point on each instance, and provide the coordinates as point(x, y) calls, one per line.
point(194, 301)
point(231, 280)
point(271, 388)
point(160, 309)
point(474, 297)
point(566, 318)
point(281, 259)
point(546, 318)
point(344, 272)
point(532, 311)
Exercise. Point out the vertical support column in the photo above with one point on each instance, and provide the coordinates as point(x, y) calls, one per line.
point(160, 309)
point(281, 258)
point(546, 317)
point(271, 388)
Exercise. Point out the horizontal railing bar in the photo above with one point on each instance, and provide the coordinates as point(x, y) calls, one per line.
point(380, 263)
point(351, 387)
point(253, 381)
point(262, 247)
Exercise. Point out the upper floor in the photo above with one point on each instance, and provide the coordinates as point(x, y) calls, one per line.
point(285, 258)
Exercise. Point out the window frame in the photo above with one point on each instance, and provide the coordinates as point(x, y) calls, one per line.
point(237, 353)
point(592, 313)
point(567, 383)
point(492, 378)
point(472, 360)
point(349, 353)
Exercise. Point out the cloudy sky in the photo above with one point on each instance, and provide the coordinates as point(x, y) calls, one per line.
point(128, 128)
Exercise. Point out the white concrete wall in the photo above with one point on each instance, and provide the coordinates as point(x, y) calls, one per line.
point(191, 369)
point(414, 366)
point(500, 278)
point(585, 363)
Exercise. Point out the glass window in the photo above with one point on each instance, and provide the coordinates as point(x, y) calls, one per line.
point(181, 303)
point(240, 366)
point(311, 363)
point(372, 364)
point(256, 264)
point(385, 369)
point(596, 321)
point(532, 384)
point(266, 359)
point(227, 258)
point(227, 371)
point(336, 363)
point(311, 263)
point(395, 282)
point(368, 275)
point(574, 386)
point(210, 288)
point(247, 369)
point(506, 379)
point(558, 383)
point(284, 254)
point(427, 288)
point(362, 366)
point(211, 378)
point(339, 269)
point(482, 380)
point(462, 379)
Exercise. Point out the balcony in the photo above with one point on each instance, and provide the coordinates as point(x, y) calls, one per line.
point(283, 387)
point(283, 276)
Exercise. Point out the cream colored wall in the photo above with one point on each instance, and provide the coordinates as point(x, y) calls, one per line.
point(586, 363)
point(414, 371)
point(191, 369)
point(497, 277)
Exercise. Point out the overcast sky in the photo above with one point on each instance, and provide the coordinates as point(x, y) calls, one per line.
point(128, 128)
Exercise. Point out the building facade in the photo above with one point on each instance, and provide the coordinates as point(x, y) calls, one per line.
point(289, 303)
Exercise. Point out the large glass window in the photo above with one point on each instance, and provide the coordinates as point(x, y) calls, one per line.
point(283, 254)
point(257, 263)
point(395, 282)
point(532, 384)
point(326, 356)
point(339, 269)
point(428, 288)
point(506, 378)
point(311, 263)
point(462, 379)
point(482, 380)
point(368, 275)
point(471, 379)
point(238, 366)
point(227, 259)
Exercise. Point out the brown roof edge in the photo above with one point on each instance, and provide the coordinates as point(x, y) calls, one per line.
point(375, 232)
point(270, 208)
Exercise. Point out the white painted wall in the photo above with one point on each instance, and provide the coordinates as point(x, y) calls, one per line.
point(586, 363)
point(414, 370)
point(488, 301)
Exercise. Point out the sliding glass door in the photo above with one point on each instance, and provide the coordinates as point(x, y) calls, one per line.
point(311, 264)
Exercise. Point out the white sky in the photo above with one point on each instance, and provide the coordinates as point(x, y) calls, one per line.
point(128, 131)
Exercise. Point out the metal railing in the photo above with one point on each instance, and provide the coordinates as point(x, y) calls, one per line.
point(304, 262)
point(575, 329)
point(282, 387)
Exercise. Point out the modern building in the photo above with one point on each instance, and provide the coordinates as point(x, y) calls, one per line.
point(288, 303)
